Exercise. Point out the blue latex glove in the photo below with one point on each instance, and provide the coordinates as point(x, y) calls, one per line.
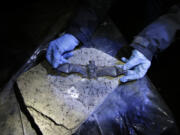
point(136, 66)
point(58, 50)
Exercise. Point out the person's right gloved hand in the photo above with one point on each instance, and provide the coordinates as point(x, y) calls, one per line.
point(136, 66)
point(59, 49)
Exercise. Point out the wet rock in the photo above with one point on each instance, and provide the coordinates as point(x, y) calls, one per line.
point(27, 128)
point(60, 103)
point(13, 121)
point(10, 119)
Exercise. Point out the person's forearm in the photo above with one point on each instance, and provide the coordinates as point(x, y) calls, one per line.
point(90, 14)
point(159, 34)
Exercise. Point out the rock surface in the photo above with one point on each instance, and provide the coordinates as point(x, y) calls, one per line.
point(13, 121)
point(60, 103)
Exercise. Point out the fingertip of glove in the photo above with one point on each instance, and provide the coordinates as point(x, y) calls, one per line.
point(119, 66)
point(68, 55)
point(55, 65)
point(123, 80)
point(124, 59)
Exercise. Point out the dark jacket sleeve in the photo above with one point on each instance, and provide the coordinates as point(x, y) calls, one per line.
point(90, 14)
point(159, 34)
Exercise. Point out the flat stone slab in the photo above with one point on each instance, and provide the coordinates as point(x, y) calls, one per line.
point(60, 103)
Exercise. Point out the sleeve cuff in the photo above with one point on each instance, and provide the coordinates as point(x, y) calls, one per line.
point(146, 52)
point(78, 34)
point(143, 45)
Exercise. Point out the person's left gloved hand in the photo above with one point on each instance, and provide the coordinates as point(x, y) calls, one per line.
point(59, 49)
point(136, 66)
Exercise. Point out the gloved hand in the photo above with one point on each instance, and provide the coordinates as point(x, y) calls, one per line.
point(136, 66)
point(58, 50)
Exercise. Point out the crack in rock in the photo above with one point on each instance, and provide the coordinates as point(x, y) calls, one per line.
point(49, 118)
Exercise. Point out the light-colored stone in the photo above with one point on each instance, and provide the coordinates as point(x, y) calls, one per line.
point(59, 104)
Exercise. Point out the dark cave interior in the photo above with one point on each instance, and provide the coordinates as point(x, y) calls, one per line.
point(22, 24)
